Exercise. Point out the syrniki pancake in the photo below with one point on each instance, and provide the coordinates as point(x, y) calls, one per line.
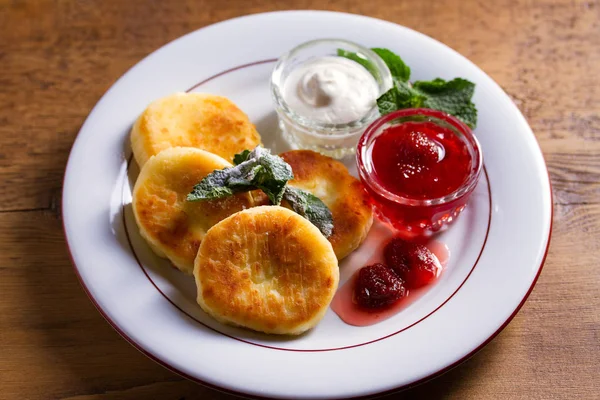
point(330, 181)
point(267, 269)
point(208, 122)
point(173, 226)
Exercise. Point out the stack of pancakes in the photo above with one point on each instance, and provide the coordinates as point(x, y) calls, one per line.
point(258, 266)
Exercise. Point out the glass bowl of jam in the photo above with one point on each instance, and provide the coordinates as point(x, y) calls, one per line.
point(420, 166)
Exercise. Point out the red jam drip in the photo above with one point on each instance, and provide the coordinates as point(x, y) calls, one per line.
point(420, 160)
point(352, 314)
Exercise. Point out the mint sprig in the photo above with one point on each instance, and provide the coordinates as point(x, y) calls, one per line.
point(241, 157)
point(259, 169)
point(399, 70)
point(310, 207)
point(359, 58)
point(453, 97)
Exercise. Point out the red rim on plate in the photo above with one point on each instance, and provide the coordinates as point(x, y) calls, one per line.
point(432, 376)
point(71, 213)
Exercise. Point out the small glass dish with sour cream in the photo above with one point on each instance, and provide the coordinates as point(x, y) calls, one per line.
point(325, 101)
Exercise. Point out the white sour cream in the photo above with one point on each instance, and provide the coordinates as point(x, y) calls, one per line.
point(332, 90)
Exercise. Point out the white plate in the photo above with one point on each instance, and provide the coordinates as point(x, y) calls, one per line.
point(498, 244)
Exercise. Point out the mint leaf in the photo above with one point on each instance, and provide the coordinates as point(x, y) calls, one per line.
point(402, 95)
point(452, 97)
point(468, 115)
point(271, 175)
point(400, 71)
point(260, 170)
point(388, 102)
point(310, 207)
point(359, 59)
point(241, 157)
point(213, 186)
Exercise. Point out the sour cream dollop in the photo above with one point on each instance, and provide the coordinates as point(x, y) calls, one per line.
point(331, 90)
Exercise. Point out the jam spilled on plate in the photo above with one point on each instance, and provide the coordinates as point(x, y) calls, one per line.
point(380, 290)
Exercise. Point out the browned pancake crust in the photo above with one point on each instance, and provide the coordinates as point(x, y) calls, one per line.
point(268, 269)
point(204, 121)
point(330, 180)
point(173, 226)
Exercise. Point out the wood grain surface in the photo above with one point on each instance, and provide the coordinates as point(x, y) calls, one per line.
point(57, 58)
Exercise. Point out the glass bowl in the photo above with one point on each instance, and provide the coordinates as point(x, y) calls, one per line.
point(423, 216)
point(334, 140)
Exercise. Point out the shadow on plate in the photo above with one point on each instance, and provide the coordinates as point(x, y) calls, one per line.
point(276, 142)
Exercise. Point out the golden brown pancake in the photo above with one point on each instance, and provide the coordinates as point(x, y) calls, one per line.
point(173, 226)
point(267, 269)
point(330, 181)
point(207, 122)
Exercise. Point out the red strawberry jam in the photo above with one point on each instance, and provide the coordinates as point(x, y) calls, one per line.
point(377, 286)
point(420, 160)
point(414, 263)
point(420, 166)
point(369, 295)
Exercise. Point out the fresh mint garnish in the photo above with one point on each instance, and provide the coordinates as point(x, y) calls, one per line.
point(400, 96)
point(241, 157)
point(259, 169)
point(213, 186)
point(453, 97)
point(310, 207)
point(359, 59)
point(400, 71)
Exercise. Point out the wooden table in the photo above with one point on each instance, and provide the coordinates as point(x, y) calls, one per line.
point(57, 58)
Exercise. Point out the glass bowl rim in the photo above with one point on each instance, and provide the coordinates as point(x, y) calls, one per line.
point(325, 129)
point(433, 116)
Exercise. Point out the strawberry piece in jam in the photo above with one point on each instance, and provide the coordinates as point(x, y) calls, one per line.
point(414, 263)
point(418, 150)
point(420, 160)
point(377, 286)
